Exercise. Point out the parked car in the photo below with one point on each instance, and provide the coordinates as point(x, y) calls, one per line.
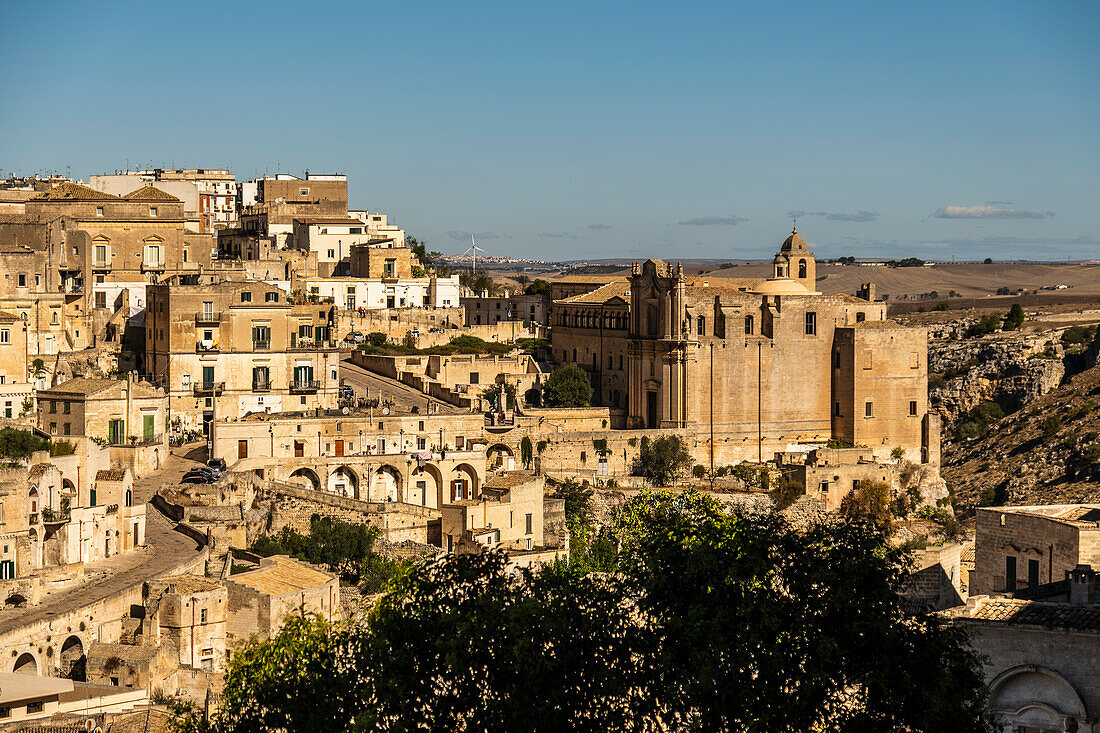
point(356, 337)
point(204, 471)
point(197, 478)
point(218, 464)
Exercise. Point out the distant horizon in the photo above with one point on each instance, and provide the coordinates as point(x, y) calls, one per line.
point(579, 131)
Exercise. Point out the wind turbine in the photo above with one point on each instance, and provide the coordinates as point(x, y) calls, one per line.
point(475, 249)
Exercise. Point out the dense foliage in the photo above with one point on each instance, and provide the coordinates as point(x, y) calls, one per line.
point(538, 287)
point(347, 549)
point(477, 281)
point(567, 386)
point(16, 444)
point(714, 621)
point(464, 344)
point(663, 461)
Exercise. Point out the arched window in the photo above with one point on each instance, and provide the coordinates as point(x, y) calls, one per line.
point(802, 268)
point(748, 325)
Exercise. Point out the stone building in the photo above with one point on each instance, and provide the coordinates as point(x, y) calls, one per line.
point(415, 459)
point(268, 206)
point(231, 348)
point(375, 293)
point(1024, 547)
point(754, 365)
point(15, 386)
point(209, 194)
point(332, 238)
point(260, 599)
point(509, 514)
point(533, 308)
point(190, 613)
point(1040, 656)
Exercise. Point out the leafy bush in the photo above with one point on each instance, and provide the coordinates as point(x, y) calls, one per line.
point(1015, 317)
point(1050, 426)
point(943, 305)
point(567, 387)
point(986, 324)
point(662, 461)
point(785, 491)
point(62, 448)
point(1076, 335)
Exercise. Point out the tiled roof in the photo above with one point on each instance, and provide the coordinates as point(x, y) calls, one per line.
point(601, 294)
point(150, 193)
point(38, 469)
point(102, 388)
point(69, 191)
point(584, 279)
point(878, 326)
point(280, 576)
point(509, 479)
point(184, 584)
point(1033, 613)
point(113, 474)
point(144, 721)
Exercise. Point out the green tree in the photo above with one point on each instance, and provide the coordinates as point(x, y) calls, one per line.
point(567, 386)
point(1015, 317)
point(662, 461)
point(715, 621)
point(477, 282)
point(526, 451)
point(538, 287)
point(17, 445)
point(377, 339)
point(869, 502)
point(785, 492)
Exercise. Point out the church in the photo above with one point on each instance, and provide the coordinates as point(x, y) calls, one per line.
point(752, 367)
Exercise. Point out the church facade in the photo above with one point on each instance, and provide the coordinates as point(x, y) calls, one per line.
point(752, 367)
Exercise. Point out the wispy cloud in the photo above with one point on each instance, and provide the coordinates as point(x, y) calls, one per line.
point(998, 203)
point(557, 235)
point(1085, 240)
point(465, 236)
point(858, 217)
point(709, 221)
point(986, 211)
point(599, 227)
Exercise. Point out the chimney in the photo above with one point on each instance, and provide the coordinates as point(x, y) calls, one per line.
point(1080, 584)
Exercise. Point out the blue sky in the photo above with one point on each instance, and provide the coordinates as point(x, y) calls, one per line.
point(598, 129)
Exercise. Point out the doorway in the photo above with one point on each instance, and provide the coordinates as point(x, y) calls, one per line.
point(242, 449)
point(651, 409)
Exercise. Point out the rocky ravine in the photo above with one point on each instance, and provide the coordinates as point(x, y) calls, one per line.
point(1046, 453)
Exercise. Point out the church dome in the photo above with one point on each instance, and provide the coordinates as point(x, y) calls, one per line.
point(794, 243)
point(782, 286)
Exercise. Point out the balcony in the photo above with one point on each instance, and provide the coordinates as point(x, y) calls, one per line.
point(264, 386)
point(261, 345)
point(101, 264)
point(305, 385)
point(208, 317)
point(152, 266)
point(139, 440)
point(307, 345)
point(204, 389)
point(207, 347)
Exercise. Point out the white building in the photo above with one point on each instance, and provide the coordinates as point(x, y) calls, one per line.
point(331, 238)
point(370, 293)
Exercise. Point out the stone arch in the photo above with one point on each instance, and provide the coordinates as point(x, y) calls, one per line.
point(73, 660)
point(431, 493)
point(306, 478)
point(500, 457)
point(802, 268)
point(344, 481)
point(25, 663)
point(533, 397)
point(387, 484)
point(32, 500)
point(1031, 695)
point(463, 483)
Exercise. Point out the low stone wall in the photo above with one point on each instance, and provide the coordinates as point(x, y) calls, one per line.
point(293, 507)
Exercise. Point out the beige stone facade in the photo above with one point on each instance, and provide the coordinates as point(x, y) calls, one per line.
point(231, 348)
point(509, 514)
point(260, 599)
point(1021, 547)
point(751, 366)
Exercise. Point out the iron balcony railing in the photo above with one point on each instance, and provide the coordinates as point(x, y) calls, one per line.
point(261, 385)
point(208, 317)
point(208, 346)
point(261, 345)
point(305, 385)
point(205, 388)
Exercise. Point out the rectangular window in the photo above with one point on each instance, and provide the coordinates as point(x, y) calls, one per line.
point(99, 211)
point(528, 519)
point(913, 407)
point(836, 409)
point(68, 428)
point(303, 192)
point(153, 255)
point(701, 325)
point(53, 406)
point(246, 296)
point(115, 431)
point(152, 211)
point(1032, 573)
point(1010, 573)
point(68, 408)
point(869, 409)
point(22, 280)
point(811, 323)
point(34, 707)
point(271, 297)
point(5, 336)
point(202, 618)
point(475, 377)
